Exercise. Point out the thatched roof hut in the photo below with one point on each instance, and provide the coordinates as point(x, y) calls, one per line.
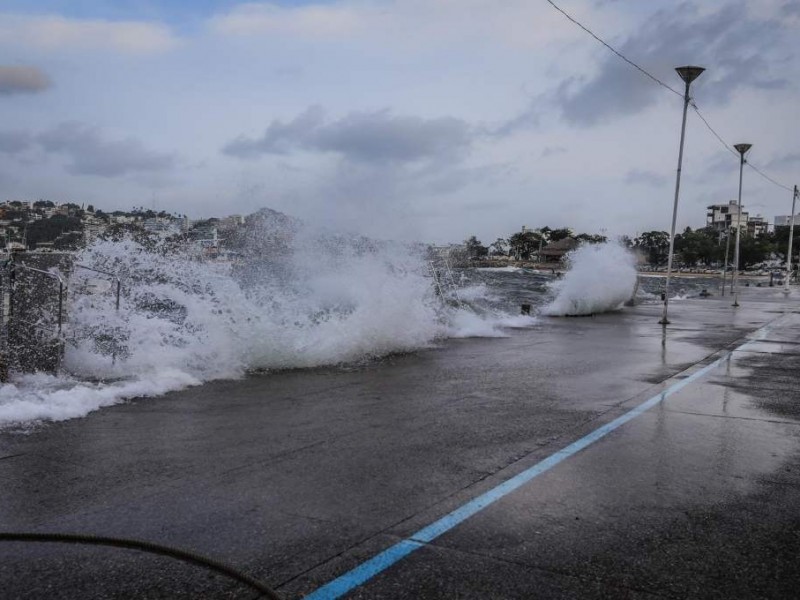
point(555, 251)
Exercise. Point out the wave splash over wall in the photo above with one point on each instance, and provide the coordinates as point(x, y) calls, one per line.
point(292, 298)
point(601, 277)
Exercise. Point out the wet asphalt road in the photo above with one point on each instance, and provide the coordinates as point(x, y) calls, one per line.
point(297, 477)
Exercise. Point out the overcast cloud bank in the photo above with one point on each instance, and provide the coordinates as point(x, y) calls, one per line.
point(454, 117)
point(378, 137)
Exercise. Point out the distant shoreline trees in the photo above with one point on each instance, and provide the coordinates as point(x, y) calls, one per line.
point(698, 247)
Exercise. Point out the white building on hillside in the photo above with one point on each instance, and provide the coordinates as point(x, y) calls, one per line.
point(785, 220)
point(723, 216)
point(757, 226)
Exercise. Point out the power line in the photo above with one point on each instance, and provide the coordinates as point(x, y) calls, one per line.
point(711, 129)
point(767, 177)
point(664, 85)
point(614, 50)
point(736, 154)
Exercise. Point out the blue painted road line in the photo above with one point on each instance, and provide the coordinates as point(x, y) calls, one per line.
point(368, 569)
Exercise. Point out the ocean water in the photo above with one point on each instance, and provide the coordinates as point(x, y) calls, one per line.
point(289, 298)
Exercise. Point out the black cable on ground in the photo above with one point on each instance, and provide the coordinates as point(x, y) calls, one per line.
point(186, 556)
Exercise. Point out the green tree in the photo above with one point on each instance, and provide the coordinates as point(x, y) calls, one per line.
point(559, 234)
point(701, 245)
point(591, 238)
point(753, 250)
point(49, 230)
point(655, 245)
point(625, 241)
point(499, 247)
point(524, 243)
point(474, 248)
point(780, 238)
point(68, 241)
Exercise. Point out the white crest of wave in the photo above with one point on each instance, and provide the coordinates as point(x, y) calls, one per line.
point(601, 277)
point(295, 299)
point(309, 309)
point(41, 396)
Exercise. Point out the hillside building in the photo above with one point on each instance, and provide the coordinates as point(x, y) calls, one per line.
point(721, 217)
point(786, 220)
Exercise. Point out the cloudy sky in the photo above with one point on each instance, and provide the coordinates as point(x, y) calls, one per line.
point(417, 119)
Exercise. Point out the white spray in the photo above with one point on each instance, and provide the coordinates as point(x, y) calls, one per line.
point(294, 299)
point(601, 278)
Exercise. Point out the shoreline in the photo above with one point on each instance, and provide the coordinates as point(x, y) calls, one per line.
point(701, 275)
point(559, 267)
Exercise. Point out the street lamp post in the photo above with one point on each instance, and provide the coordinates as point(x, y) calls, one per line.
point(742, 150)
point(725, 265)
point(688, 74)
point(789, 250)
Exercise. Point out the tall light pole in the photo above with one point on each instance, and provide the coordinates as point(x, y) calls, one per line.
point(789, 251)
point(727, 251)
point(742, 150)
point(688, 74)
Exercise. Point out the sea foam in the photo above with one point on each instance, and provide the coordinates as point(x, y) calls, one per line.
point(601, 277)
point(292, 298)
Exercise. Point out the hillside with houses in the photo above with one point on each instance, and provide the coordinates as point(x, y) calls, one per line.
point(42, 225)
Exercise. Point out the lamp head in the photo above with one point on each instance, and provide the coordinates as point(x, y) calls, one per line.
point(742, 148)
point(689, 73)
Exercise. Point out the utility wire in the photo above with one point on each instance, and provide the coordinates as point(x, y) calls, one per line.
point(614, 50)
point(673, 90)
point(711, 129)
point(767, 177)
point(735, 153)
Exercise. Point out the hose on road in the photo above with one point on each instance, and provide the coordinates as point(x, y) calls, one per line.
point(184, 555)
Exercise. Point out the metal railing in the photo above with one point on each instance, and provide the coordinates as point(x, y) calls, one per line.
point(114, 276)
point(445, 282)
point(61, 290)
point(31, 337)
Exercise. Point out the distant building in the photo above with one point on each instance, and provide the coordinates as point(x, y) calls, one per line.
point(757, 226)
point(555, 251)
point(205, 234)
point(93, 227)
point(123, 219)
point(785, 220)
point(724, 216)
point(231, 222)
point(161, 225)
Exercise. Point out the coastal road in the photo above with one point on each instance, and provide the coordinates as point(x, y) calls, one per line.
point(302, 478)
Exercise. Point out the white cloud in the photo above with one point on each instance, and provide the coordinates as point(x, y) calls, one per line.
point(449, 72)
point(312, 20)
point(365, 137)
point(56, 33)
point(404, 22)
